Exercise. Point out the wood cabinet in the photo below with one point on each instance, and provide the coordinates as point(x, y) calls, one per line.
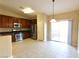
point(0, 21)
point(8, 22)
point(13, 37)
point(24, 24)
point(5, 22)
point(11, 21)
point(26, 35)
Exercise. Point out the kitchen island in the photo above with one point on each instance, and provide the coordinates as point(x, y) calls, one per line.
point(5, 46)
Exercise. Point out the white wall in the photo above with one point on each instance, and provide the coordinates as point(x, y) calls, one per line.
point(78, 39)
point(41, 25)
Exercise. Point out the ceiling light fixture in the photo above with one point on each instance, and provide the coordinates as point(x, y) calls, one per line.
point(28, 10)
point(53, 19)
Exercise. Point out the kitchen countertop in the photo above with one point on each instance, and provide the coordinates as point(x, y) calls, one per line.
point(10, 30)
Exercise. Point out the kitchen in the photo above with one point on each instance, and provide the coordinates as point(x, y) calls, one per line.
point(18, 28)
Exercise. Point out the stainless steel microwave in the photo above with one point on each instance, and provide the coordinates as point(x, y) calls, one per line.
point(17, 25)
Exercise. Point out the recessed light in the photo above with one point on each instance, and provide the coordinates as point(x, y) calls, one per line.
point(27, 10)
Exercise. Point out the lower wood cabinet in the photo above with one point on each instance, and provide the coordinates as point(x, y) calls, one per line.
point(26, 35)
point(13, 38)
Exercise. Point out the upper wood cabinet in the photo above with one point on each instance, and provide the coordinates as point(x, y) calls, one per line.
point(5, 21)
point(11, 21)
point(23, 23)
point(0, 21)
point(8, 22)
point(34, 21)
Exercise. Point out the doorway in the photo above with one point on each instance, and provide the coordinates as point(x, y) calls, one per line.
point(61, 31)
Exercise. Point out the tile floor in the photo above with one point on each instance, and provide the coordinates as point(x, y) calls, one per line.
point(29, 48)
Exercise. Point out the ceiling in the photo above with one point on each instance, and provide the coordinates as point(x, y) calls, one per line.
point(43, 6)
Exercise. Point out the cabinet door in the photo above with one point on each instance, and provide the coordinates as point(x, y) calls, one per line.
point(5, 21)
point(26, 23)
point(29, 24)
point(0, 21)
point(23, 22)
point(34, 21)
point(26, 35)
point(11, 22)
point(15, 20)
point(13, 37)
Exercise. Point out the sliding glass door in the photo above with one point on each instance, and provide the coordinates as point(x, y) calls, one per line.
point(61, 31)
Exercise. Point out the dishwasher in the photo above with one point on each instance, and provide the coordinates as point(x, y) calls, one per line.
point(19, 36)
